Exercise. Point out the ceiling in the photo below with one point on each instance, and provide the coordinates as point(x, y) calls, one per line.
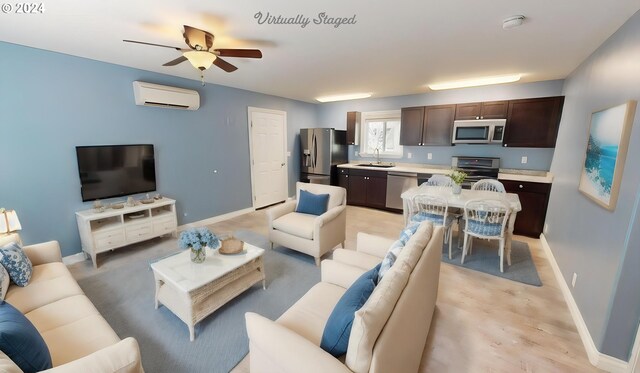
point(394, 48)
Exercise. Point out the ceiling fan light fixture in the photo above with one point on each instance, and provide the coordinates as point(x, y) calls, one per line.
point(488, 80)
point(200, 59)
point(352, 96)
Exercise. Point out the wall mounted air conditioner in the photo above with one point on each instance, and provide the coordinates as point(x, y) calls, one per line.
point(149, 94)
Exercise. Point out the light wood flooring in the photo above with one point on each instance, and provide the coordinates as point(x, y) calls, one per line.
point(482, 323)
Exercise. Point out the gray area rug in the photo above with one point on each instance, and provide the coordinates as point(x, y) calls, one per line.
point(485, 259)
point(125, 297)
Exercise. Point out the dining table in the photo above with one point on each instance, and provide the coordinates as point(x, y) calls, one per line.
point(459, 200)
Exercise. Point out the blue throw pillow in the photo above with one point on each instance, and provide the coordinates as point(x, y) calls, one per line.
point(21, 342)
point(335, 338)
point(16, 262)
point(314, 204)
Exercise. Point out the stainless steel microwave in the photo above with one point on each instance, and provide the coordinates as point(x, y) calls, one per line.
point(483, 131)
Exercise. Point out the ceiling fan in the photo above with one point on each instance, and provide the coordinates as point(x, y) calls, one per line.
point(200, 52)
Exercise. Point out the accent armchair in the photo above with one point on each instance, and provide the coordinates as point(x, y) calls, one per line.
point(310, 234)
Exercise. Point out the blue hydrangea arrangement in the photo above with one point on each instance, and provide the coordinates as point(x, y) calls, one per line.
point(197, 239)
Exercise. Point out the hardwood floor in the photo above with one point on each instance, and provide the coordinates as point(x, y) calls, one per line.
point(482, 323)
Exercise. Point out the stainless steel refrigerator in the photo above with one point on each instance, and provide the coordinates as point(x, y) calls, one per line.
point(322, 149)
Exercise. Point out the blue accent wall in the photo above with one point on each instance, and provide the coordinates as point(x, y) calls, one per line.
point(602, 247)
point(51, 102)
point(335, 114)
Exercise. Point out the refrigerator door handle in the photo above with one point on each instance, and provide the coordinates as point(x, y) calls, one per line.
point(315, 151)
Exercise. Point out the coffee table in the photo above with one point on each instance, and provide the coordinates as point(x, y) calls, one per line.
point(194, 291)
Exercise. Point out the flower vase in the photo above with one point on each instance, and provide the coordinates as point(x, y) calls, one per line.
point(198, 255)
point(457, 188)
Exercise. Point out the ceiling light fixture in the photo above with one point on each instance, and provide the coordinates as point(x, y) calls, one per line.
point(513, 21)
point(352, 96)
point(476, 82)
point(200, 59)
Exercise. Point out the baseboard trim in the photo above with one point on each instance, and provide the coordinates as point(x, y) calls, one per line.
point(215, 219)
point(597, 358)
point(74, 258)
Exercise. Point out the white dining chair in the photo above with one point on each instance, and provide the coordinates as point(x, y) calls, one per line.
point(440, 180)
point(485, 219)
point(435, 209)
point(490, 185)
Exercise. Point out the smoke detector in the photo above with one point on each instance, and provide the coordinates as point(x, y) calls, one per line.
point(513, 21)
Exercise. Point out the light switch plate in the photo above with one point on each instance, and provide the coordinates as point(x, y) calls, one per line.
point(409, 155)
point(524, 160)
point(429, 155)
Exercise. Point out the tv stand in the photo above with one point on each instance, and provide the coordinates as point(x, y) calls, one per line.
point(115, 228)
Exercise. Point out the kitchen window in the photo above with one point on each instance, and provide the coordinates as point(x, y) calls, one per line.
point(381, 132)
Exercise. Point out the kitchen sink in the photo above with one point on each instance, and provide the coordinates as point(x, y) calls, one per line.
point(379, 165)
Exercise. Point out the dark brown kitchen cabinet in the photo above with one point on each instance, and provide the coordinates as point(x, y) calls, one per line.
point(427, 125)
point(533, 122)
point(534, 198)
point(353, 122)
point(438, 125)
point(411, 122)
point(367, 188)
point(482, 110)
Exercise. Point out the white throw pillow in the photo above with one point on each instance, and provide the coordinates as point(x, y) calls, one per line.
point(4, 282)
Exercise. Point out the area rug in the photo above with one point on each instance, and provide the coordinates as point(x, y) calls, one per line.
point(485, 259)
point(125, 298)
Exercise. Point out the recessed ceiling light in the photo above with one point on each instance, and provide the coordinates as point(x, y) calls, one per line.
point(352, 96)
point(513, 21)
point(476, 82)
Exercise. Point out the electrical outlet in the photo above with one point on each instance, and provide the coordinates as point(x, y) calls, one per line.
point(524, 160)
point(429, 155)
point(545, 230)
point(356, 154)
point(573, 280)
point(288, 154)
point(409, 155)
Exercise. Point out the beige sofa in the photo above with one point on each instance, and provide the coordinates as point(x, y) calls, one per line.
point(310, 234)
point(78, 337)
point(389, 332)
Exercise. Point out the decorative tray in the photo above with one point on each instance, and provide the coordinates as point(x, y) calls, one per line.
point(231, 246)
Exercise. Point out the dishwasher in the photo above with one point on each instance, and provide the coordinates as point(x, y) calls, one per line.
point(398, 183)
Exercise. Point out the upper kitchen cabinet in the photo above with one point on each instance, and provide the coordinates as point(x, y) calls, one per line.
point(438, 125)
point(427, 125)
point(411, 122)
point(482, 110)
point(353, 124)
point(533, 123)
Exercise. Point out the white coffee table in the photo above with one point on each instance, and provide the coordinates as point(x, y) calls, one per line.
point(194, 291)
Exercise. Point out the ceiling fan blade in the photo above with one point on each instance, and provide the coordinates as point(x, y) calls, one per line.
point(194, 36)
point(246, 53)
point(176, 61)
point(155, 45)
point(224, 65)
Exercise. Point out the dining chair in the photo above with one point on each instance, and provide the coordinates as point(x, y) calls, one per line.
point(485, 219)
point(435, 209)
point(490, 185)
point(440, 180)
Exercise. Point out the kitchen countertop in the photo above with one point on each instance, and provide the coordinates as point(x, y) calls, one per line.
point(533, 176)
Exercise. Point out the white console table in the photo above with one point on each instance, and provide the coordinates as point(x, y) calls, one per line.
point(114, 228)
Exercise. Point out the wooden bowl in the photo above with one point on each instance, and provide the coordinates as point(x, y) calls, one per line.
point(231, 246)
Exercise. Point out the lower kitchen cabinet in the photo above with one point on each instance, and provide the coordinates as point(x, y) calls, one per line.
point(534, 198)
point(364, 188)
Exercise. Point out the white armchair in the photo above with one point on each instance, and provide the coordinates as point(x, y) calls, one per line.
point(310, 234)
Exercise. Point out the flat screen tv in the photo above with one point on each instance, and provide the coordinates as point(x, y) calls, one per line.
point(115, 170)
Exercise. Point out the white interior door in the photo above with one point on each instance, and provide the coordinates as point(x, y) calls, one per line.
point(268, 147)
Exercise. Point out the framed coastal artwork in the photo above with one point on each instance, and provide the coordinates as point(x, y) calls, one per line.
point(606, 152)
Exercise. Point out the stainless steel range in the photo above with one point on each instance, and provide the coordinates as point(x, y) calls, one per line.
point(477, 168)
